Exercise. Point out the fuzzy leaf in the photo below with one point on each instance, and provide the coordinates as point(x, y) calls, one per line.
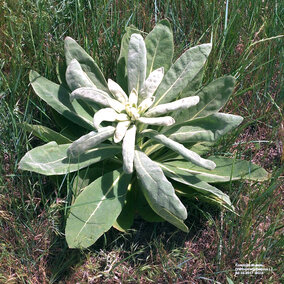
point(96, 96)
point(145, 104)
point(179, 148)
point(133, 98)
point(74, 51)
point(181, 72)
point(128, 147)
point(209, 128)
point(117, 91)
point(173, 106)
point(108, 114)
point(158, 191)
point(212, 98)
point(123, 58)
point(136, 64)
point(76, 77)
point(152, 83)
point(120, 131)
point(58, 98)
point(193, 86)
point(51, 158)
point(89, 141)
point(160, 47)
point(165, 120)
point(199, 185)
point(227, 169)
point(96, 209)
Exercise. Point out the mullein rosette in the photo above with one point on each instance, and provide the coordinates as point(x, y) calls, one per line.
point(152, 126)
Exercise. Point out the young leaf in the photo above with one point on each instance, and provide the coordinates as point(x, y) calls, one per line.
point(181, 72)
point(173, 106)
point(76, 77)
point(117, 91)
point(128, 146)
point(136, 64)
point(89, 141)
point(151, 84)
point(74, 51)
point(96, 96)
point(227, 169)
point(165, 120)
point(58, 98)
point(160, 47)
point(179, 148)
point(209, 128)
point(51, 159)
point(158, 191)
point(96, 209)
point(108, 114)
point(120, 131)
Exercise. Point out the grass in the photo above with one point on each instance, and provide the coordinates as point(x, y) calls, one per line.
point(247, 44)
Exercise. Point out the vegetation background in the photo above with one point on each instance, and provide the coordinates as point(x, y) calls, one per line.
point(248, 43)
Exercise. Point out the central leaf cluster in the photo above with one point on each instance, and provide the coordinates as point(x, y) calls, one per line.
point(129, 111)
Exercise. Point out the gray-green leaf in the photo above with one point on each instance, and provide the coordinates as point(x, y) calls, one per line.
point(181, 72)
point(158, 191)
point(227, 169)
point(212, 98)
point(76, 77)
point(74, 51)
point(209, 128)
point(128, 147)
point(51, 158)
point(199, 185)
point(96, 209)
point(58, 98)
point(160, 47)
point(46, 134)
point(179, 148)
point(89, 141)
point(136, 64)
point(123, 58)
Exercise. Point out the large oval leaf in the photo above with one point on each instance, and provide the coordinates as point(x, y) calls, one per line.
point(212, 98)
point(58, 98)
point(160, 47)
point(126, 218)
point(209, 128)
point(158, 191)
point(74, 51)
point(193, 86)
point(181, 72)
point(202, 187)
point(96, 209)
point(51, 159)
point(227, 169)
